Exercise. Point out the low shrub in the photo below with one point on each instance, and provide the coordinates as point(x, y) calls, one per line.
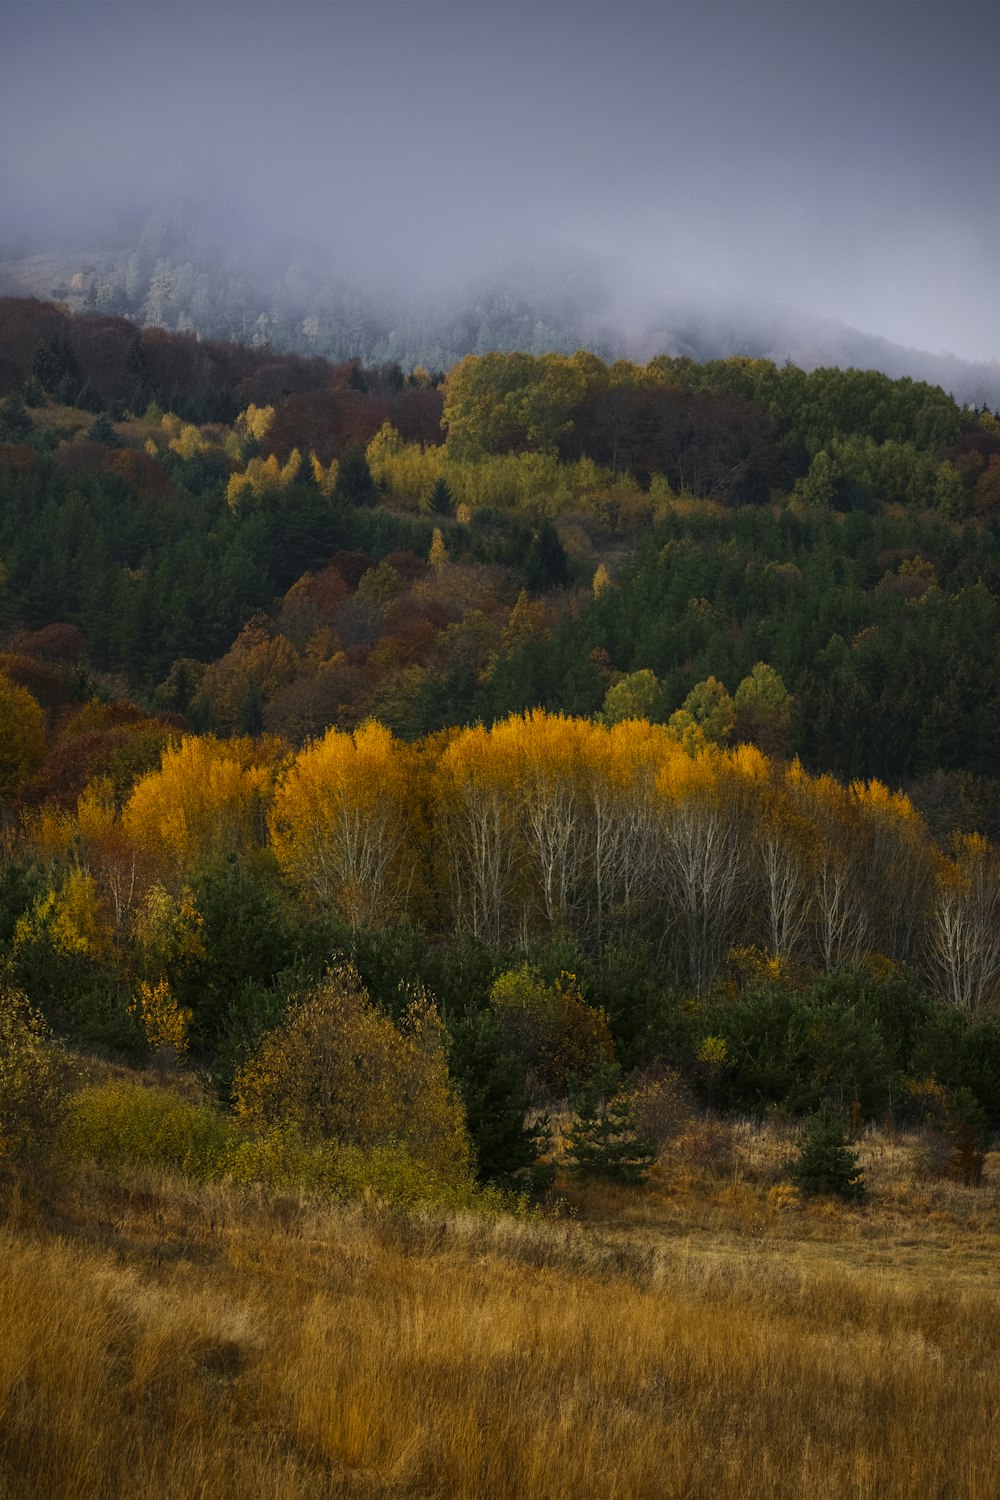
point(123, 1124)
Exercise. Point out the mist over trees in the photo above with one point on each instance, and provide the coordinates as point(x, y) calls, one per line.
point(176, 274)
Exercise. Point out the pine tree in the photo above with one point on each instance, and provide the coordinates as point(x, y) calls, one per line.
point(826, 1164)
point(604, 1141)
point(491, 1081)
point(355, 485)
point(441, 501)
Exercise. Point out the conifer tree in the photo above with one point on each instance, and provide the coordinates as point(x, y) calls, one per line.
point(604, 1141)
point(826, 1164)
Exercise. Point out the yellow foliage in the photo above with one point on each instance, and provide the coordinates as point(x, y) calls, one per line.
point(207, 799)
point(340, 825)
point(74, 919)
point(338, 1069)
point(27, 1074)
point(22, 737)
point(164, 1021)
point(189, 442)
point(255, 422)
point(438, 556)
point(167, 930)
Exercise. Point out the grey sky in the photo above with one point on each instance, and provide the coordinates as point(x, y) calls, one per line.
point(841, 158)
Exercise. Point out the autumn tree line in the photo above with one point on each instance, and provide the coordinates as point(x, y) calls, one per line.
point(567, 891)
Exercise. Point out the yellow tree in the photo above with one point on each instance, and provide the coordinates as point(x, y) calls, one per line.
point(621, 764)
point(548, 750)
point(208, 799)
point(841, 911)
point(898, 869)
point(341, 824)
point(476, 816)
point(963, 943)
point(22, 737)
point(339, 1070)
point(705, 848)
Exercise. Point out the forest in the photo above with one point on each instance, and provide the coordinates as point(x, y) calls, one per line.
point(499, 924)
point(615, 717)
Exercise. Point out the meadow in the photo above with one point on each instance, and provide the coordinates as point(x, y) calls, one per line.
point(712, 1336)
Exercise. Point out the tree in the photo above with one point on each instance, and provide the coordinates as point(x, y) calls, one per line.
point(27, 1077)
point(604, 1141)
point(339, 1070)
point(441, 502)
point(15, 419)
point(491, 1081)
point(355, 485)
point(636, 695)
point(711, 707)
point(340, 826)
point(763, 709)
point(22, 738)
point(825, 1163)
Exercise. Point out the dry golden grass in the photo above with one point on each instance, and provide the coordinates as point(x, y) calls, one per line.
point(712, 1337)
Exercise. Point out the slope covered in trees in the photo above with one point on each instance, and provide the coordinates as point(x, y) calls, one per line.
point(644, 717)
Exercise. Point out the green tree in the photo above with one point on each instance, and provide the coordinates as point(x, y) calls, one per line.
point(825, 1163)
point(637, 695)
point(492, 1084)
point(15, 419)
point(355, 485)
point(763, 710)
point(441, 502)
point(604, 1140)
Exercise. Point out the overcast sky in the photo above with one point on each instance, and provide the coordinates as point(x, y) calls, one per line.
point(842, 158)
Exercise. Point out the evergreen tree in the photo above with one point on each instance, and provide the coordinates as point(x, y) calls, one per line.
point(491, 1082)
point(15, 420)
point(826, 1164)
point(604, 1141)
point(441, 501)
point(355, 485)
point(102, 431)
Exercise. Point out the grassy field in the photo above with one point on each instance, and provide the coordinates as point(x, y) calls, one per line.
point(709, 1337)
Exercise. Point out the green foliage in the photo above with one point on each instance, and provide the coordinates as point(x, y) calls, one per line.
point(603, 1140)
point(825, 1163)
point(550, 1028)
point(793, 1049)
point(491, 1082)
point(637, 695)
point(15, 419)
point(355, 485)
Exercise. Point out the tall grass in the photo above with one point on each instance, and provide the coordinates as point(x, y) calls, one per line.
point(167, 1339)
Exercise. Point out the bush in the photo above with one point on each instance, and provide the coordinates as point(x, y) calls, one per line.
point(339, 1070)
point(28, 1093)
point(123, 1124)
point(826, 1164)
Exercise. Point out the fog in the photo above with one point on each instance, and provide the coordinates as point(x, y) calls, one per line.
point(836, 161)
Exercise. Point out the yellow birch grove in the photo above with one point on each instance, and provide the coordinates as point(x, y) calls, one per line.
point(541, 825)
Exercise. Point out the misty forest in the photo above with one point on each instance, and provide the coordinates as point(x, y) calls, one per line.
point(499, 836)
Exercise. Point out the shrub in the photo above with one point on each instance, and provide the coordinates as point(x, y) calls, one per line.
point(339, 1070)
point(123, 1124)
point(28, 1094)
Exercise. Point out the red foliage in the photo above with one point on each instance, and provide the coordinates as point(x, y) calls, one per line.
point(54, 643)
